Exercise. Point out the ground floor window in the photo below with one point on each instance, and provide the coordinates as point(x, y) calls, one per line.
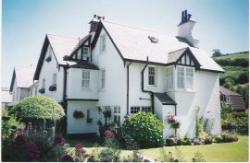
point(136, 109)
point(117, 115)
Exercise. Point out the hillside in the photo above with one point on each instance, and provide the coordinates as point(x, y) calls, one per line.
point(236, 76)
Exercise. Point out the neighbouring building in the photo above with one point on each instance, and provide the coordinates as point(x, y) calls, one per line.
point(6, 98)
point(232, 98)
point(22, 84)
point(122, 70)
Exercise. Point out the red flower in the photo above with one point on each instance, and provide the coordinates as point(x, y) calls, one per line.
point(108, 133)
point(79, 148)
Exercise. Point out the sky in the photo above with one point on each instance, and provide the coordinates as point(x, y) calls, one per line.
point(221, 24)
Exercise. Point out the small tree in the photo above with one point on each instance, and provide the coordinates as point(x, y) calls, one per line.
point(35, 108)
point(216, 52)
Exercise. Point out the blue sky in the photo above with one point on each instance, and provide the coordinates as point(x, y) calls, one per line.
point(220, 24)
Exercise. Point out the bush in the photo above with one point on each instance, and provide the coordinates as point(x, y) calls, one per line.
point(185, 141)
point(218, 139)
point(145, 129)
point(38, 107)
point(136, 157)
point(9, 126)
point(229, 137)
point(109, 155)
point(171, 141)
point(208, 139)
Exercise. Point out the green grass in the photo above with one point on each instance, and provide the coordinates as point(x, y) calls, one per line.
point(232, 56)
point(234, 152)
point(224, 152)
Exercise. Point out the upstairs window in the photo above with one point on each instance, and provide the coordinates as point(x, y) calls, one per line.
point(189, 78)
point(103, 73)
point(54, 79)
point(180, 77)
point(170, 78)
point(151, 76)
point(102, 43)
point(85, 79)
point(85, 53)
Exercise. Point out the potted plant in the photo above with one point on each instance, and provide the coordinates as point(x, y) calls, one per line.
point(78, 114)
point(42, 90)
point(52, 87)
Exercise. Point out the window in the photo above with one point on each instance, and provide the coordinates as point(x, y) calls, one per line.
point(146, 109)
point(180, 77)
point(170, 81)
point(189, 78)
point(103, 78)
point(43, 83)
point(151, 76)
point(117, 117)
point(79, 54)
point(85, 52)
point(54, 78)
point(85, 79)
point(134, 109)
point(102, 43)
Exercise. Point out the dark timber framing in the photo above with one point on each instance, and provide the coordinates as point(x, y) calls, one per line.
point(128, 87)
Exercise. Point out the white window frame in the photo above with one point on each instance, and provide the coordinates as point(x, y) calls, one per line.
point(170, 77)
point(177, 77)
point(140, 109)
point(186, 88)
point(187, 78)
point(85, 82)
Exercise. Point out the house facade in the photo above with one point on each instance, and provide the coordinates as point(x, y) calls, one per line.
point(6, 99)
point(124, 70)
point(22, 84)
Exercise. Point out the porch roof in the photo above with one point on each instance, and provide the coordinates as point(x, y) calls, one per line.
point(165, 99)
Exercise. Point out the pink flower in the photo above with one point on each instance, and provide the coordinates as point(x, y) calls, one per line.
point(79, 148)
point(108, 133)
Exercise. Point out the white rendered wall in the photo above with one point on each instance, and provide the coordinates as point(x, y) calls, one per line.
point(74, 84)
point(80, 126)
point(114, 93)
point(47, 70)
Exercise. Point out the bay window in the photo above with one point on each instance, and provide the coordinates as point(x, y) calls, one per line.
point(85, 79)
point(170, 79)
point(185, 78)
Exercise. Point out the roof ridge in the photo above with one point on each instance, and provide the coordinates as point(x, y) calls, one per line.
point(59, 35)
point(133, 27)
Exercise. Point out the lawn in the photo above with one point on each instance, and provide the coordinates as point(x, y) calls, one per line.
point(224, 152)
point(233, 152)
point(234, 56)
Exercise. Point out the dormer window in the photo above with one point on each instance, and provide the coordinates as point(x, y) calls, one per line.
point(85, 53)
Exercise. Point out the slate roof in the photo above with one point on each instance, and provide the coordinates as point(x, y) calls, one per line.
point(23, 77)
point(228, 92)
point(175, 55)
point(133, 44)
point(165, 99)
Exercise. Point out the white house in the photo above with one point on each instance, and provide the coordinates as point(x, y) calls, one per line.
point(22, 84)
point(6, 98)
point(126, 70)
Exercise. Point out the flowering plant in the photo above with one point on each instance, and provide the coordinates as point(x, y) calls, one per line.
point(80, 152)
point(108, 133)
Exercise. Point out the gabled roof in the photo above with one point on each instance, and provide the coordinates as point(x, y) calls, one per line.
point(133, 44)
point(80, 43)
point(61, 46)
point(84, 65)
point(23, 77)
point(228, 92)
point(165, 99)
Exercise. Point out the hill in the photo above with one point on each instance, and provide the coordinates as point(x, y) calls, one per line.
point(236, 76)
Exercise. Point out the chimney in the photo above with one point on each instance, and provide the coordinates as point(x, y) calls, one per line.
point(185, 29)
point(94, 22)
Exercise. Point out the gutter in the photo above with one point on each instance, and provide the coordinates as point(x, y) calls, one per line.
point(128, 87)
point(142, 86)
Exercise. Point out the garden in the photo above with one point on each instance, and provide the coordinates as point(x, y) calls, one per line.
point(31, 131)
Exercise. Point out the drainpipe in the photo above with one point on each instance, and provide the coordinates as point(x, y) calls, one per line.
point(147, 91)
point(128, 87)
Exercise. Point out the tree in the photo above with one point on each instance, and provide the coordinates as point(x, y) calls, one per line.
point(37, 108)
point(216, 52)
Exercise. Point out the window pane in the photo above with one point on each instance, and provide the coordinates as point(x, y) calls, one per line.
point(103, 79)
point(146, 109)
point(134, 110)
point(54, 81)
point(169, 78)
point(85, 79)
point(180, 77)
point(189, 78)
point(151, 75)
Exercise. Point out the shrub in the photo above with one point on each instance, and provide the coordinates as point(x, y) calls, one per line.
point(109, 155)
point(9, 126)
point(198, 157)
point(145, 129)
point(229, 137)
point(127, 140)
point(38, 107)
point(208, 139)
point(171, 141)
point(111, 142)
point(218, 139)
point(135, 157)
point(185, 141)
